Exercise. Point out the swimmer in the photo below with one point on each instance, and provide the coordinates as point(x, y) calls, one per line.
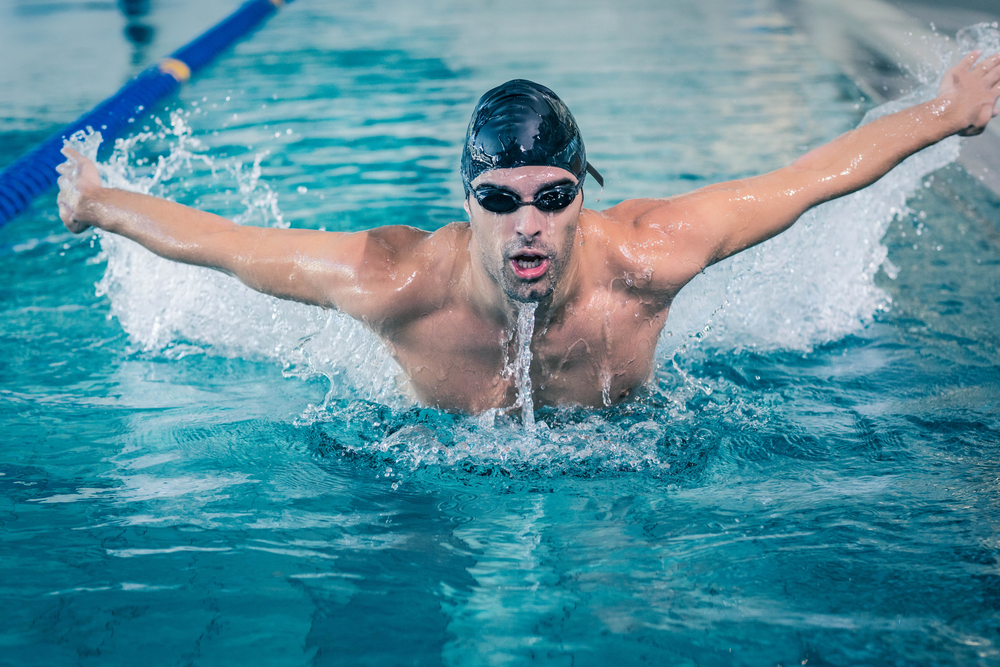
point(446, 302)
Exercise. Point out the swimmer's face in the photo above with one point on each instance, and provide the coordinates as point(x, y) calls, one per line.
point(526, 251)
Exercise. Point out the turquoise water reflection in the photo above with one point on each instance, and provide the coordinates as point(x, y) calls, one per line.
point(177, 491)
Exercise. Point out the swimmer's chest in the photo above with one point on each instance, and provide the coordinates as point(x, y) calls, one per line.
point(595, 351)
point(454, 360)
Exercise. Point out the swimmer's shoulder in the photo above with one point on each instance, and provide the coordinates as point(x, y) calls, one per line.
point(676, 219)
point(401, 243)
point(431, 257)
point(637, 212)
point(625, 223)
point(652, 241)
point(444, 245)
point(409, 273)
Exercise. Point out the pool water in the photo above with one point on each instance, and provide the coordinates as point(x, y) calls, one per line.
point(195, 474)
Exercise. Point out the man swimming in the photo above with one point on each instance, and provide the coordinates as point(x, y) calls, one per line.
point(446, 302)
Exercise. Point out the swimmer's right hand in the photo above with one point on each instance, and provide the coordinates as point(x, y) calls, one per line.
point(78, 182)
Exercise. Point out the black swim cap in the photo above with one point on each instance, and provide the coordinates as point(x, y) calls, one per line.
point(522, 123)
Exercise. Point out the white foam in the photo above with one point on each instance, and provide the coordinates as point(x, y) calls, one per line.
point(173, 309)
point(811, 285)
point(815, 283)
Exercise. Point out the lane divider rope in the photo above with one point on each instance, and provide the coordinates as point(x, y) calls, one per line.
point(35, 172)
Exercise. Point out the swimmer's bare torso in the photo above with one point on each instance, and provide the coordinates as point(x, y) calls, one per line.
point(447, 302)
point(593, 342)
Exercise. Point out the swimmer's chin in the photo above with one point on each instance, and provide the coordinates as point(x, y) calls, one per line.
point(530, 289)
point(531, 297)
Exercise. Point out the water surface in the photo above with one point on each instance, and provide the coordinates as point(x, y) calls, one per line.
point(194, 474)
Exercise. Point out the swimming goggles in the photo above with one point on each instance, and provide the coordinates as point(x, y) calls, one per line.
point(548, 200)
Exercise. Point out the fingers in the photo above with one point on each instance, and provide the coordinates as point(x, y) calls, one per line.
point(69, 197)
point(992, 72)
point(973, 85)
point(970, 59)
point(66, 193)
point(66, 213)
point(70, 165)
point(990, 63)
point(67, 175)
point(987, 68)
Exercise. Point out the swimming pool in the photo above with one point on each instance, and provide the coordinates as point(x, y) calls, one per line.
point(195, 474)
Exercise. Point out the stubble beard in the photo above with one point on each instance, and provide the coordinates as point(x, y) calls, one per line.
point(523, 291)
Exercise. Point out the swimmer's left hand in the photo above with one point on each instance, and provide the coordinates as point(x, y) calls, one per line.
point(969, 93)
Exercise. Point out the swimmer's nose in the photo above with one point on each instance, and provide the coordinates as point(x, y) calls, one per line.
point(529, 221)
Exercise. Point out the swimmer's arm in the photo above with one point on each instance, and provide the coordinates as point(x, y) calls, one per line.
point(757, 209)
point(347, 271)
point(716, 222)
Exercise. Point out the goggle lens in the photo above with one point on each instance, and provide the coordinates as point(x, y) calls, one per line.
point(550, 200)
point(555, 199)
point(498, 201)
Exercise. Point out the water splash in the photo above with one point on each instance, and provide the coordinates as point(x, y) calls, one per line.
point(175, 310)
point(522, 365)
point(815, 283)
point(811, 285)
point(86, 142)
point(564, 441)
point(983, 36)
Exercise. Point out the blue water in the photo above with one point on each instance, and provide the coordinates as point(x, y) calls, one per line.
point(194, 474)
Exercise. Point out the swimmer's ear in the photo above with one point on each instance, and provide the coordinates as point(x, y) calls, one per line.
point(468, 211)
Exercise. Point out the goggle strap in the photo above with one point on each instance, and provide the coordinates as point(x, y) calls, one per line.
point(597, 177)
point(596, 174)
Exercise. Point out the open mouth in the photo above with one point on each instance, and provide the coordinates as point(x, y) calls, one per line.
point(529, 267)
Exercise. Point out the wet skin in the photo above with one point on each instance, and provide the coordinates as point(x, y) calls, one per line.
point(596, 322)
point(446, 302)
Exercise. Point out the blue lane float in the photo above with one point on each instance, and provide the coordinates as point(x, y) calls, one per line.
point(35, 172)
